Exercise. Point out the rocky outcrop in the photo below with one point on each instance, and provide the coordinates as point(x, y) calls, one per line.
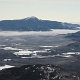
point(36, 72)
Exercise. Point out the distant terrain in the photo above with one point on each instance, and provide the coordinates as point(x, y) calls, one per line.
point(59, 47)
point(34, 24)
point(60, 50)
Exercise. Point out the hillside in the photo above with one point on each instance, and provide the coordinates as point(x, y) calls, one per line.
point(75, 35)
point(36, 72)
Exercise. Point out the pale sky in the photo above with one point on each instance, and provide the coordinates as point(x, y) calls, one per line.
point(56, 10)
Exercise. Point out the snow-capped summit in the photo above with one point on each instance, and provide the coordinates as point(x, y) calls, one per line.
point(32, 17)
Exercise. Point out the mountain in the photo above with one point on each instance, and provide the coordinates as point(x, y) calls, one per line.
point(34, 24)
point(36, 72)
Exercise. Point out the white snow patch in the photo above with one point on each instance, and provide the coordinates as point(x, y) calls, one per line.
point(71, 53)
point(10, 48)
point(48, 46)
point(24, 57)
point(23, 53)
point(29, 52)
point(2, 45)
point(6, 66)
point(66, 56)
point(41, 51)
point(46, 49)
point(39, 56)
point(7, 59)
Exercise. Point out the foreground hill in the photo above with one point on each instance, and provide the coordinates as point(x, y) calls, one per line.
point(36, 72)
point(34, 24)
point(75, 35)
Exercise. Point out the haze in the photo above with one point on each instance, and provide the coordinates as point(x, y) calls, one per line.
point(57, 10)
point(37, 33)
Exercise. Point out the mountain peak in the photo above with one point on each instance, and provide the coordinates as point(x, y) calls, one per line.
point(31, 18)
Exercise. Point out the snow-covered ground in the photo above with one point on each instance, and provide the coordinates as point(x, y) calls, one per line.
point(72, 53)
point(29, 52)
point(10, 48)
point(5, 66)
point(48, 46)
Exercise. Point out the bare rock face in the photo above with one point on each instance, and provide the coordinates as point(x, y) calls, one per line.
point(36, 72)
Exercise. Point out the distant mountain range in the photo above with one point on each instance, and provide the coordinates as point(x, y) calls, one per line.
point(34, 24)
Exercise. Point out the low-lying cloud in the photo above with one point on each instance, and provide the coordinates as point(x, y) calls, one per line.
point(20, 33)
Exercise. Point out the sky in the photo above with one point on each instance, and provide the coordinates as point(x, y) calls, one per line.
point(56, 10)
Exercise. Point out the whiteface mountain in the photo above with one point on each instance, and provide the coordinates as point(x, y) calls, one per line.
point(34, 24)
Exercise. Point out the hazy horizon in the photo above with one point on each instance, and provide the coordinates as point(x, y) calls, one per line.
point(42, 19)
point(55, 10)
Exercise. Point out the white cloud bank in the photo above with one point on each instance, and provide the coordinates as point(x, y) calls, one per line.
point(53, 32)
